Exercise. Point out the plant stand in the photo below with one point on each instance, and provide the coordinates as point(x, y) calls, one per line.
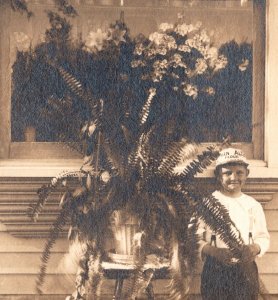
point(120, 272)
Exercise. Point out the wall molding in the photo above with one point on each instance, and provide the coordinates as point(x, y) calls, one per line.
point(17, 193)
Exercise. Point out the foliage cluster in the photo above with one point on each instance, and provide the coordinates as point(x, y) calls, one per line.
point(187, 80)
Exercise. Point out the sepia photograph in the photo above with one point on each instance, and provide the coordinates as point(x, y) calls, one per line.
point(138, 149)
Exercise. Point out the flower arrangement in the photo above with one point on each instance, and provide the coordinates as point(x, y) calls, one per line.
point(180, 55)
point(177, 69)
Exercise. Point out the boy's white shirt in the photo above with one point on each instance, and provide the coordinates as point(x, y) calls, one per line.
point(247, 214)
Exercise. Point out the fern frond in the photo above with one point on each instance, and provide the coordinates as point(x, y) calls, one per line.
point(95, 275)
point(175, 153)
point(185, 227)
point(199, 164)
point(55, 230)
point(44, 192)
point(216, 216)
point(190, 249)
point(77, 88)
point(139, 280)
point(138, 153)
point(74, 84)
point(113, 155)
point(180, 281)
point(34, 210)
point(146, 108)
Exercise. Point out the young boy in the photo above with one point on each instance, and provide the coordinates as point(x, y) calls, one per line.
point(223, 276)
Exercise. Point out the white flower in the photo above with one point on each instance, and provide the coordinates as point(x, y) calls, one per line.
point(161, 51)
point(139, 48)
point(191, 43)
point(243, 66)
point(151, 52)
point(165, 26)
point(170, 42)
point(220, 63)
point(198, 45)
point(157, 76)
point(212, 53)
point(95, 40)
point(200, 66)
point(210, 90)
point(182, 29)
point(204, 51)
point(176, 61)
point(105, 176)
point(138, 63)
point(184, 48)
point(157, 38)
point(160, 64)
point(191, 90)
point(204, 37)
point(23, 41)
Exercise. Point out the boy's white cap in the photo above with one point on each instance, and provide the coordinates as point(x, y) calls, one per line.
point(231, 155)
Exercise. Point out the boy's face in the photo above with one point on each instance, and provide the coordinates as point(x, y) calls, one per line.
point(232, 178)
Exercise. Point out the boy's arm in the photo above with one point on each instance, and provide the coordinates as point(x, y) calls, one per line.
point(223, 255)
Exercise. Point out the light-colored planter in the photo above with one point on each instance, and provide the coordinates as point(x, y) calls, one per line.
point(125, 228)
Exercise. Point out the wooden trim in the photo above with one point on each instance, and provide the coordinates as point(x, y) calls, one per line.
point(37, 150)
point(5, 82)
point(271, 110)
point(259, 16)
point(52, 150)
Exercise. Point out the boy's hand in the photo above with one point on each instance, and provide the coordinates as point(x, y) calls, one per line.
point(223, 255)
point(250, 252)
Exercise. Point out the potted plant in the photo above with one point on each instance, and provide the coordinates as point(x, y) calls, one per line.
point(130, 95)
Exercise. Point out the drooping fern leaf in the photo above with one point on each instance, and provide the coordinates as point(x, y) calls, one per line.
point(95, 275)
point(179, 283)
point(215, 215)
point(199, 164)
point(55, 230)
point(44, 192)
point(176, 151)
point(77, 88)
point(34, 210)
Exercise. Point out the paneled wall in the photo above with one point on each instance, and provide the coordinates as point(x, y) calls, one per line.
point(21, 244)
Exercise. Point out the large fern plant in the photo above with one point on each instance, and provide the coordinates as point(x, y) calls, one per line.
point(131, 150)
